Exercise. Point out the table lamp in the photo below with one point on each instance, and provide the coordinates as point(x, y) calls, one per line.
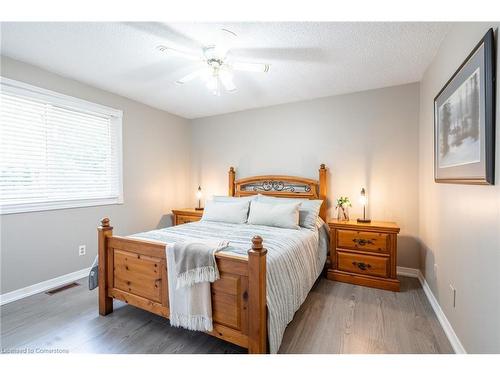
point(363, 200)
point(198, 196)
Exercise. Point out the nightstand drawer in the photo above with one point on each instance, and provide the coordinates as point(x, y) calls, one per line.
point(363, 264)
point(364, 253)
point(357, 240)
point(183, 219)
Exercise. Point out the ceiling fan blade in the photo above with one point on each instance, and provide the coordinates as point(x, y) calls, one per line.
point(190, 77)
point(227, 81)
point(179, 53)
point(227, 34)
point(224, 41)
point(250, 67)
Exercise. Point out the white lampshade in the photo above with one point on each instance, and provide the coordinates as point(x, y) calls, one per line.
point(363, 199)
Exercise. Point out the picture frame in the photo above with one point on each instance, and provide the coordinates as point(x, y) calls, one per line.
point(464, 120)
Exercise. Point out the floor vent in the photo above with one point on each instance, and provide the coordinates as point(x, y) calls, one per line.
point(61, 288)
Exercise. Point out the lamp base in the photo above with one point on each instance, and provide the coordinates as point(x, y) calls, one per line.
point(364, 221)
point(198, 208)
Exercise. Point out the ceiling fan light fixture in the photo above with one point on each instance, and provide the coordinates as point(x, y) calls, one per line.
point(213, 84)
point(217, 73)
point(226, 78)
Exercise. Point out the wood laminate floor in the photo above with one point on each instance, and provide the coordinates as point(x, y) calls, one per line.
point(335, 318)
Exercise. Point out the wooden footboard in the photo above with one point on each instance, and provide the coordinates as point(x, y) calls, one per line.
point(135, 271)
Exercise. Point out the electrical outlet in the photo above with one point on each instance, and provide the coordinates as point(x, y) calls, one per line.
point(453, 296)
point(82, 249)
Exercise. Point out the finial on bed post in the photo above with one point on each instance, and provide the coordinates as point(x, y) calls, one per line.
point(322, 190)
point(104, 231)
point(231, 181)
point(257, 245)
point(105, 222)
point(257, 313)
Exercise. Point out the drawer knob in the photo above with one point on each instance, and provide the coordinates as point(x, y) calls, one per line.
point(362, 241)
point(156, 282)
point(361, 265)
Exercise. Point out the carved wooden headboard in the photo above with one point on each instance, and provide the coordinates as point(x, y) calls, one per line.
point(281, 186)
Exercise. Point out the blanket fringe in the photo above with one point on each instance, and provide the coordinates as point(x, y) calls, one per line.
point(191, 322)
point(197, 275)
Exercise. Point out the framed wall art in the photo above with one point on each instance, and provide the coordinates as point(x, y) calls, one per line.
point(464, 120)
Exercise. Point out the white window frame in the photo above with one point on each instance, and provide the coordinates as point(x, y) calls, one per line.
point(13, 86)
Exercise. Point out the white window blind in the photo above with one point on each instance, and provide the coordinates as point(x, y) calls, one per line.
point(56, 151)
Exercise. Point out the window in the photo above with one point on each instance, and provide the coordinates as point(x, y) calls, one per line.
point(56, 151)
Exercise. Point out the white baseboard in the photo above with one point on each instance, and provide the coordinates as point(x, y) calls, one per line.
point(410, 272)
point(42, 286)
point(448, 329)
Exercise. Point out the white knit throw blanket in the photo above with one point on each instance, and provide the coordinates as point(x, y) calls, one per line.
point(191, 268)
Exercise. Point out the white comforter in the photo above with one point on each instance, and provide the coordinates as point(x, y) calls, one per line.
point(295, 259)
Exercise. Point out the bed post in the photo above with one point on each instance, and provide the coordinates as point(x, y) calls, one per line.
point(105, 302)
point(322, 191)
point(257, 317)
point(231, 181)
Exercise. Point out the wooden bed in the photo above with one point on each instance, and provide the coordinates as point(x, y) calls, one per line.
point(135, 271)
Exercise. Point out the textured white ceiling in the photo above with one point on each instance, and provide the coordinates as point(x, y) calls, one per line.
point(308, 60)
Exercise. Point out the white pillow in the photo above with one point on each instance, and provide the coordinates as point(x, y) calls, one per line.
point(225, 198)
point(285, 215)
point(226, 212)
point(308, 211)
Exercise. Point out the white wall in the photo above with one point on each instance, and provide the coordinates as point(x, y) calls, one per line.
point(42, 245)
point(366, 139)
point(460, 224)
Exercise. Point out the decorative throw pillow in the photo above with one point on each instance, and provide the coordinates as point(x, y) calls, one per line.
point(308, 212)
point(283, 215)
point(226, 212)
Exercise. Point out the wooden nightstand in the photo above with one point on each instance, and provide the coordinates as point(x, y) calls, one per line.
point(364, 253)
point(186, 215)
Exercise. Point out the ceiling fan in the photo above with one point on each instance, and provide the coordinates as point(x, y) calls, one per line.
point(218, 65)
